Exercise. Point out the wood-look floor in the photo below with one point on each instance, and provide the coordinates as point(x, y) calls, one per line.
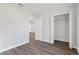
point(42, 48)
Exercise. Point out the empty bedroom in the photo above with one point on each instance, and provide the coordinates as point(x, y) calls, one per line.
point(39, 28)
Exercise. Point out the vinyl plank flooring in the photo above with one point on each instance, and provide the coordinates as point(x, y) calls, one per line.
point(36, 47)
point(42, 48)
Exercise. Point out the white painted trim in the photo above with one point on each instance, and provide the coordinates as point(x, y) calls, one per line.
point(52, 30)
point(60, 13)
point(75, 47)
point(70, 30)
point(62, 40)
point(43, 40)
point(11, 47)
point(78, 50)
point(70, 26)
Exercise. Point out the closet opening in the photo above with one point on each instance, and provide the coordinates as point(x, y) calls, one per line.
point(61, 29)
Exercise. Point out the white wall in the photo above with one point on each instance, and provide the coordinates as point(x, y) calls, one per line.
point(61, 27)
point(78, 27)
point(14, 28)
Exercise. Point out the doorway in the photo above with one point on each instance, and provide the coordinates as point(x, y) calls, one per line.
point(61, 27)
point(31, 32)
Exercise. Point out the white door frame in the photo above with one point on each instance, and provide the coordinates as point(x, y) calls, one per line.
point(70, 27)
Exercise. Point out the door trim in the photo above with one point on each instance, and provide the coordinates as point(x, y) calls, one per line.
point(70, 27)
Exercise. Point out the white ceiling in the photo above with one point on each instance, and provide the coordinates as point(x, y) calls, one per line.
point(38, 9)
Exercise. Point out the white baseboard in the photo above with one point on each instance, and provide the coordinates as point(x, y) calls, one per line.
point(74, 47)
point(50, 42)
point(78, 50)
point(62, 40)
point(11, 47)
point(44, 40)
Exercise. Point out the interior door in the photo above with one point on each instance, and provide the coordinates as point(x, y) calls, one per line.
point(39, 29)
